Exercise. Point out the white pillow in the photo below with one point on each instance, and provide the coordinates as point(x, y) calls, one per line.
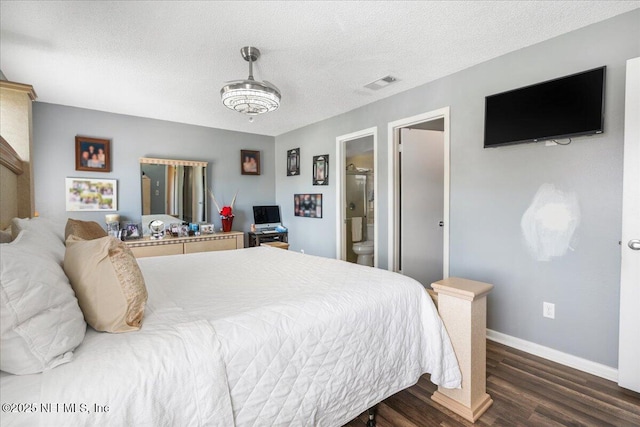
point(40, 320)
point(50, 234)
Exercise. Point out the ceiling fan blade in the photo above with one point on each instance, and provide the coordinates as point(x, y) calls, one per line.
point(271, 85)
point(231, 82)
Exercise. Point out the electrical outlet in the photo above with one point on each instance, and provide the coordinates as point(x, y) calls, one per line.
point(549, 310)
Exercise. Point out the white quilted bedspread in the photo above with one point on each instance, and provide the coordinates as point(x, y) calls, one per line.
point(263, 337)
point(310, 341)
point(166, 374)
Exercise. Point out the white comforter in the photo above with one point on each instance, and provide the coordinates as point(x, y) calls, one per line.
point(259, 336)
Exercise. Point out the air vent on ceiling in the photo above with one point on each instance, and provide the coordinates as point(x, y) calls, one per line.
point(380, 83)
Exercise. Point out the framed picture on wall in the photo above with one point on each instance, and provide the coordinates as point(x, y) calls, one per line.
point(85, 194)
point(250, 162)
point(321, 170)
point(307, 205)
point(93, 154)
point(293, 162)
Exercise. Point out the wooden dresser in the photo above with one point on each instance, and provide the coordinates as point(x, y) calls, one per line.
point(147, 247)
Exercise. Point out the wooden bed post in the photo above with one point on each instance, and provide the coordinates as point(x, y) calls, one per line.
point(16, 124)
point(462, 305)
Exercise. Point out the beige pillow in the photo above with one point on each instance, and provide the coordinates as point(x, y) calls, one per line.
point(5, 236)
point(86, 230)
point(108, 283)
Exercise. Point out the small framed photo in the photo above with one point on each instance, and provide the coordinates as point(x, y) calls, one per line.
point(207, 229)
point(293, 162)
point(85, 194)
point(321, 170)
point(132, 230)
point(250, 162)
point(307, 205)
point(175, 228)
point(92, 154)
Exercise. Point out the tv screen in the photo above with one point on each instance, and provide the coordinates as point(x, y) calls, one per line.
point(561, 108)
point(266, 216)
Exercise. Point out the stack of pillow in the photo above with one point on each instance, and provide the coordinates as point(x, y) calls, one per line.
point(43, 310)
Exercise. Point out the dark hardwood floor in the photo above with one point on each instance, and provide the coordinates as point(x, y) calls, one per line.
point(526, 391)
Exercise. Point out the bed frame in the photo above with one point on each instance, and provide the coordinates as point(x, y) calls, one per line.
point(16, 180)
point(461, 304)
point(11, 169)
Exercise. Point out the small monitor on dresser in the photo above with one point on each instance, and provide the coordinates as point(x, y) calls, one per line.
point(266, 218)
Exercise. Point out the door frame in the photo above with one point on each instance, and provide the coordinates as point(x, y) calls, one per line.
point(393, 172)
point(341, 170)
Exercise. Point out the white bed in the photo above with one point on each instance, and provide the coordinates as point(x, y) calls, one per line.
point(258, 336)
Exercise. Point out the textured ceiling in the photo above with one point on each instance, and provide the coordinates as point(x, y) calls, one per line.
point(168, 60)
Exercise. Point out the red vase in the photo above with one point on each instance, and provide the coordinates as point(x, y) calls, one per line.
point(227, 223)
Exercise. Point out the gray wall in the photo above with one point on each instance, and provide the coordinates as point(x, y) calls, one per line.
point(55, 128)
point(491, 189)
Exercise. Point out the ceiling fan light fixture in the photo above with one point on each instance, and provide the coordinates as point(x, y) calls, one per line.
point(250, 99)
point(249, 96)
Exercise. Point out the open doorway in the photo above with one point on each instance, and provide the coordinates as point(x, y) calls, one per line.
point(356, 201)
point(418, 167)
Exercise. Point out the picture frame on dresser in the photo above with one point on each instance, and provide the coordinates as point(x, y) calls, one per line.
point(175, 228)
point(93, 154)
point(207, 229)
point(133, 231)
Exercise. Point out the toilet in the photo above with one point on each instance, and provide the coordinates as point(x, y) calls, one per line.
point(364, 250)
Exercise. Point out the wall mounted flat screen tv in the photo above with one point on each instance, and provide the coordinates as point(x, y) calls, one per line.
point(561, 108)
point(266, 217)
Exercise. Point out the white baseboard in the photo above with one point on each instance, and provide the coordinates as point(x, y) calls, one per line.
point(585, 365)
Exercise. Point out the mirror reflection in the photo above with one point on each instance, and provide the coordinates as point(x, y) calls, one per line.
point(173, 190)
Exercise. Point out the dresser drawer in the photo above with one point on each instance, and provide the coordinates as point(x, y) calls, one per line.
point(157, 250)
point(147, 247)
point(209, 246)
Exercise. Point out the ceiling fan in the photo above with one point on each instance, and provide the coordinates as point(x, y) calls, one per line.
point(250, 96)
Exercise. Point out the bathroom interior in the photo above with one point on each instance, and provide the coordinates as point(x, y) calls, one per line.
point(359, 198)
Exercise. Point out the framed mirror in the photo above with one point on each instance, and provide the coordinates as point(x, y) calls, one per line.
point(173, 190)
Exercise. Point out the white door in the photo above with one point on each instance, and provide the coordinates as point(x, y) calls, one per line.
point(629, 348)
point(421, 204)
